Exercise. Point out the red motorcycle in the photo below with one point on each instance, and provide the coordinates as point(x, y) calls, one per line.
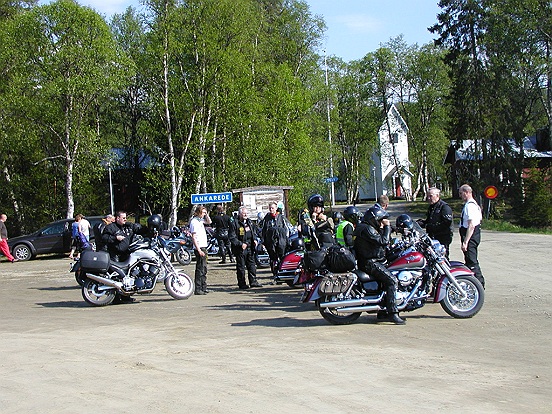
point(422, 272)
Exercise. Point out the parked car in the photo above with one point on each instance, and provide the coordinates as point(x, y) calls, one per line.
point(52, 238)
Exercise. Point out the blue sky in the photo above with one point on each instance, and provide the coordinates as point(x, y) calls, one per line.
point(355, 27)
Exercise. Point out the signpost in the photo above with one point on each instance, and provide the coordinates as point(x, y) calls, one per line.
point(211, 198)
point(331, 179)
point(491, 192)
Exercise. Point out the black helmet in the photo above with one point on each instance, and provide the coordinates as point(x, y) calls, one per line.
point(352, 214)
point(176, 232)
point(337, 217)
point(297, 244)
point(155, 222)
point(374, 215)
point(315, 200)
point(404, 221)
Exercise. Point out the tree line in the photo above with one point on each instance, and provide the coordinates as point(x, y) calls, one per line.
point(197, 96)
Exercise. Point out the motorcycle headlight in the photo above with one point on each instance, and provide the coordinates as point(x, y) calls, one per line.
point(439, 248)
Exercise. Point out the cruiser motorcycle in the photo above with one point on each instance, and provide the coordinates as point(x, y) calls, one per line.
point(422, 272)
point(103, 279)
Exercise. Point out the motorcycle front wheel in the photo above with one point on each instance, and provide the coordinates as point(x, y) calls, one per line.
point(333, 316)
point(179, 285)
point(183, 256)
point(97, 294)
point(458, 307)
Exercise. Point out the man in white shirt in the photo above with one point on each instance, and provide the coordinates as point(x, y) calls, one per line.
point(84, 226)
point(470, 230)
point(199, 238)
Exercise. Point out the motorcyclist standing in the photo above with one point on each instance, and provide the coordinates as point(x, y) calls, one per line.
point(242, 238)
point(372, 236)
point(221, 222)
point(439, 220)
point(275, 235)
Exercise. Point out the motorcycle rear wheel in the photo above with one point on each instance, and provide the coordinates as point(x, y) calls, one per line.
point(183, 256)
point(455, 306)
point(333, 316)
point(92, 293)
point(179, 285)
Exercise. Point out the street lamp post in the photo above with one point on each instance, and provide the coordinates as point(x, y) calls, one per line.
point(332, 184)
point(108, 162)
point(375, 186)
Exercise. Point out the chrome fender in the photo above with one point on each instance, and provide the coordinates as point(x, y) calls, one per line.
point(444, 281)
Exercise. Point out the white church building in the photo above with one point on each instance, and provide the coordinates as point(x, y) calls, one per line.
point(390, 164)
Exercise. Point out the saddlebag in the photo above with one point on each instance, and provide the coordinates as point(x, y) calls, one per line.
point(96, 261)
point(315, 260)
point(335, 284)
point(340, 260)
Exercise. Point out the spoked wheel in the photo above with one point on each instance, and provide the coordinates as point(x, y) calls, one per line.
point(183, 256)
point(333, 316)
point(459, 307)
point(97, 294)
point(179, 285)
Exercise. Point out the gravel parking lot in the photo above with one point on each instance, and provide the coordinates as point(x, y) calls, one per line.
point(262, 351)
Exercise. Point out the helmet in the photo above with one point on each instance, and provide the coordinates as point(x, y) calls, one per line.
point(260, 216)
point(337, 217)
point(374, 215)
point(404, 222)
point(315, 200)
point(297, 244)
point(155, 222)
point(352, 214)
point(175, 231)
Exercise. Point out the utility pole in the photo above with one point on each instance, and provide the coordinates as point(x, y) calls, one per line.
point(332, 183)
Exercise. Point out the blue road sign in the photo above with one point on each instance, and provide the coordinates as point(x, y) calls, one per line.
point(331, 179)
point(210, 198)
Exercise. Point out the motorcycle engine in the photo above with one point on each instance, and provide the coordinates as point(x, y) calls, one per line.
point(407, 277)
point(144, 275)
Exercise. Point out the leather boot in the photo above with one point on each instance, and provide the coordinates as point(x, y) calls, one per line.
point(395, 318)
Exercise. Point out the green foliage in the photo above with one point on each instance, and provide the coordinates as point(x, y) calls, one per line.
point(536, 208)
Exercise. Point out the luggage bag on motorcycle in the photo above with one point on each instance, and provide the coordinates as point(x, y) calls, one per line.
point(315, 260)
point(335, 284)
point(97, 261)
point(340, 260)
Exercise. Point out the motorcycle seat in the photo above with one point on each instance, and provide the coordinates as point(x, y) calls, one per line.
point(362, 276)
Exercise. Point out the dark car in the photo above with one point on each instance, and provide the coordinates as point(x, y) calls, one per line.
point(52, 238)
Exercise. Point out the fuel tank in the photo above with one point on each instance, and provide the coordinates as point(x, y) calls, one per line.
point(412, 260)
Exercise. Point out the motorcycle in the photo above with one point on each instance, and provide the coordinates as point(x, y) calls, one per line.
point(290, 267)
point(179, 245)
point(422, 272)
point(103, 279)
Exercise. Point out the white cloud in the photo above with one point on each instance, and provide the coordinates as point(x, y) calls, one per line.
point(360, 23)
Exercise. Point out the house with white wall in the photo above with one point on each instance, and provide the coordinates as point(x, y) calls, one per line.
point(390, 164)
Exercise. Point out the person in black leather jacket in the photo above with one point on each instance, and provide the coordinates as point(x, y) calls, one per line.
point(438, 222)
point(372, 236)
point(243, 240)
point(118, 235)
point(221, 222)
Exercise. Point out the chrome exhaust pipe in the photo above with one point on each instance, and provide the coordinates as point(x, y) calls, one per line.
point(106, 281)
point(374, 308)
point(350, 302)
